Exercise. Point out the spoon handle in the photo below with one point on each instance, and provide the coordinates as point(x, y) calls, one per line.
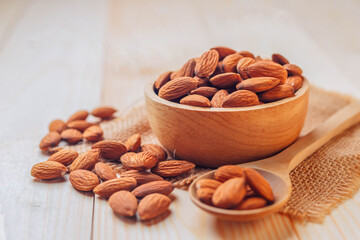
point(309, 143)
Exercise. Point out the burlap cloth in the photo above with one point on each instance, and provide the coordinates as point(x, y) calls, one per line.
point(320, 183)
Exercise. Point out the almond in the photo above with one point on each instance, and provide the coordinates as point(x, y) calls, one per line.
point(141, 177)
point(123, 203)
point(267, 69)
point(153, 205)
point(226, 172)
point(83, 180)
point(218, 99)
point(225, 80)
point(110, 149)
point(105, 189)
point(293, 70)
point(251, 203)
point(249, 192)
point(51, 139)
point(173, 74)
point(195, 100)
point(207, 92)
point(155, 150)
point(177, 88)
point(207, 183)
point(207, 63)
point(230, 193)
point(72, 136)
point(258, 84)
point(259, 184)
point(57, 126)
point(162, 79)
point(172, 168)
point(241, 98)
point(79, 125)
point(79, 115)
point(133, 143)
point(103, 112)
point(48, 170)
point(242, 65)
point(278, 58)
point(246, 54)
point(93, 133)
point(64, 156)
point(104, 171)
point(86, 160)
point(276, 93)
point(295, 82)
point(230, 62)
point(187, 70)
point(203, 82)
point(127, 157)
point(223, 51)
point(163, 187)
point(205, 195)
point(141, 161)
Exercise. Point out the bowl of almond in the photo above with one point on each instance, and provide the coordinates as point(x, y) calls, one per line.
point(228, 107)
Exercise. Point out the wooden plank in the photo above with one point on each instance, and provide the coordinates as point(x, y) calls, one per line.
point(50, 66)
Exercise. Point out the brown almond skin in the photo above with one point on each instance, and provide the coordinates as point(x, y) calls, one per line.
point(57, 125)
point(226, 172)
point(110, 149)
point(280, 59)
point(123, 203)
point(267, 69)
point(223, 51)
point(106, 189)
point(140, 161)
point(80, 125)
point(93, 133)
point(71, 136)
point(225, 80)
point(162, 79)
point(156, 150)
point(295, 82)
point(103, 112)
point(83, 180)
point(246, 54)
point(173, 75)
point(79, 115)
point(207, 63)
point(195, 100)
point(230, 193)
point(259, 84)
point(86, 160)
point(142, 177)
point(205, 195)
point(172, 168)
point(241, 98)
point(230, 62)
point(259, 184)
point(218, 99)
point(242, 65)
point(203, 82)
point(133, 143)
point(207, 92)
point(293, 70)
point(187, 70)
point(207, 183)
point(127, 157)
point(64, 156)
point(177, 88)
point(48, 170)
point(276, 93)
point(104, 171)
point(153, 205)
point(51, 139)
point(251, 203)
point(163, 187)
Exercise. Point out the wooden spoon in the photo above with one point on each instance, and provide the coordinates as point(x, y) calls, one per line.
point(276, 169)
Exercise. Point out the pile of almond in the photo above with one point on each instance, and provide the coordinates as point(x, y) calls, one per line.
point(222, 77)
point(235, 188)
point(140, 189)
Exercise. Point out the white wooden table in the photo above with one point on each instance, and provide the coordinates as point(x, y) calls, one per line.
point(60, 56)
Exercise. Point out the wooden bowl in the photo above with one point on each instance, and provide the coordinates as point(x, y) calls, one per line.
point(212, 137)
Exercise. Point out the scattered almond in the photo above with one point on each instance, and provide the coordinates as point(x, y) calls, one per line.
point(79, 115)
point(57, 126)
point(93, 133)
point(123, 203)
point(142, 177)
point(86, 160)
point(110, 149)
point(105, 189)
point(140, 161)
point(80, 125)
point(153, 205)
point(48, 170)
point(172, 168)
point(163, 187)
point(104, 171)
point(133, 143)
point(103, 112)
point(83, 180)
point(156, 150)
point(64, 156)
point(71, 136)
point(51, 139)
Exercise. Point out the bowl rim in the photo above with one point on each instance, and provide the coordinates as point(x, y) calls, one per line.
point(149, 92)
